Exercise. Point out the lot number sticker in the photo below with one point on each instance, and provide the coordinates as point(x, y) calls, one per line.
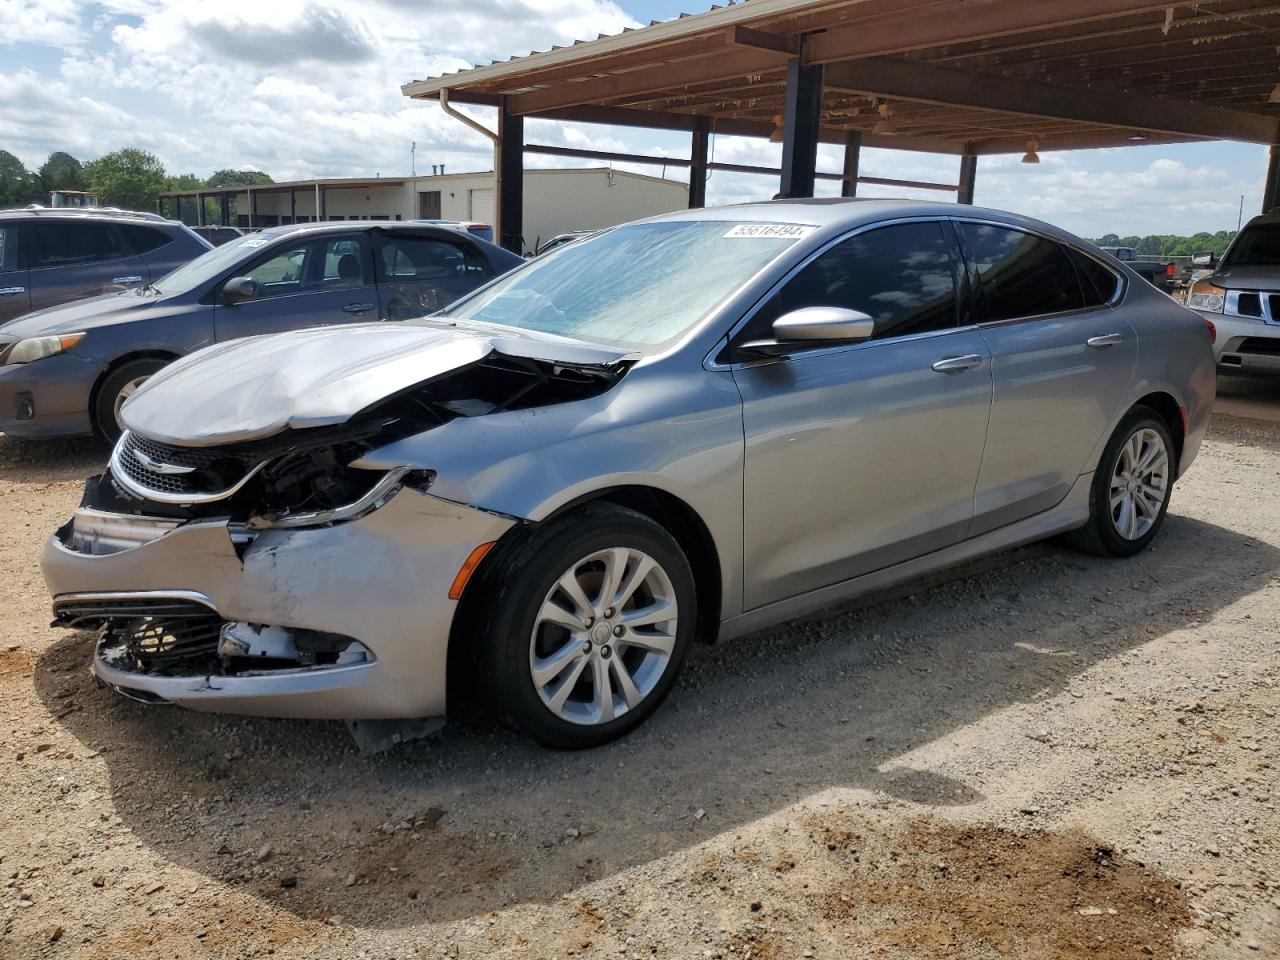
point(768, 231)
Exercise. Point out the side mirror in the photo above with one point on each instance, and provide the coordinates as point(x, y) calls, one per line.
point(814, 327)
point(240, 288)
point(1208, 260)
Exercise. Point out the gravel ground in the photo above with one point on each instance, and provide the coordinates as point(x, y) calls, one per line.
point(1041, 755)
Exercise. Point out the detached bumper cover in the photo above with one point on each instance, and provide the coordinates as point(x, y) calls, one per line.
point(383, 579)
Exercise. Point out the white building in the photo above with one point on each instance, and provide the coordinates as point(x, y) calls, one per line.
point(555, 201)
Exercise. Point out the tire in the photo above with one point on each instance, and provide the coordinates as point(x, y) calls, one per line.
point(528, 622)
point(1127, 529)
point(114, 389)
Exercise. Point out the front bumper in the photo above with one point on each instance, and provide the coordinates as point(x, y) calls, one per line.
point(48, 397)
point(1245, 343)
point(382, 579)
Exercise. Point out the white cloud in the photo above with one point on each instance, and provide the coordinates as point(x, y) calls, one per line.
point(304, 88)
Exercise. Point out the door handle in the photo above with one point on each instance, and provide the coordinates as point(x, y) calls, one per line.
point(358, 307)
point(1106, 340)
point(958, 364)
point(126, 280)
point(10, 291)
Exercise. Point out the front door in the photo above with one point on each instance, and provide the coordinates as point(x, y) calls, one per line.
point(863, 456)
point(1061, 359)
point(15, 293)
point(302, 282)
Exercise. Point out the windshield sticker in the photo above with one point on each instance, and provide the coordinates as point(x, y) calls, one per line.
point(769, 231)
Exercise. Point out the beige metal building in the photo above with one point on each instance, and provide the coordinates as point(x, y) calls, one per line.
point(555, 201)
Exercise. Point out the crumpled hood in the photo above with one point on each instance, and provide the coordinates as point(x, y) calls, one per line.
point(260, 386)
point(79, 315)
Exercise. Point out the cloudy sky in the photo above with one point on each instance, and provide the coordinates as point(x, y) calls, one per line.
point(303, 88)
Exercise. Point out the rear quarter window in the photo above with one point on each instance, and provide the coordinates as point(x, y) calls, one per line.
point(144, 239)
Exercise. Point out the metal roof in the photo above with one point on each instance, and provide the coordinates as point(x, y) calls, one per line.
point(956, 75)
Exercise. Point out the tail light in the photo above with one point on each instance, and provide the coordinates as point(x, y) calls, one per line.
point(1170, 270)
point(1213, 330)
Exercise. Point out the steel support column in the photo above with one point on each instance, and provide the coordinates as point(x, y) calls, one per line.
point(852, 157)
point(968, 177)
point(224, 203)
point(509, 166)
point(801, 113)
point(698, 163)
point(253, 208)
point(293, 205)
point(1271, 191)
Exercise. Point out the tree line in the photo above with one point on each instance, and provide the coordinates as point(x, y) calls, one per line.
point(130, 178)
point(1170, 245)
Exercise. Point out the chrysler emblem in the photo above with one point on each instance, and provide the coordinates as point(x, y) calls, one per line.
point(155, 466)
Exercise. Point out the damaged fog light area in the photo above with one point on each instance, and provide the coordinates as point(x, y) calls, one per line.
point(182, 636)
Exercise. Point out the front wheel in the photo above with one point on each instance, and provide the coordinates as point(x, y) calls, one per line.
point(118, 386)
point(1131, 487)
point(589, 621)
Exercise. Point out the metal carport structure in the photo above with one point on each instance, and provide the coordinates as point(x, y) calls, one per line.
point(964, 77)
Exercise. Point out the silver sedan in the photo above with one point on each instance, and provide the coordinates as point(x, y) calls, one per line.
point(685, 428)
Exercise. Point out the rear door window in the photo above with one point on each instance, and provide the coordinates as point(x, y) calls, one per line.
point(1020, 274)
point(61, 244)
point(1100, 284)
point(426, 258)
point(9, 247)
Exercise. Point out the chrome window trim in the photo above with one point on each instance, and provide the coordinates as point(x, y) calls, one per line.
point(710, 362)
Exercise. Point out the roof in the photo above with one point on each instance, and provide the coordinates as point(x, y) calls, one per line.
point(82, 213)
point(958, 76)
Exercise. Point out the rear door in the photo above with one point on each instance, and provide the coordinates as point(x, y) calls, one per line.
point(15, 293)
point(303, 282)
point(1061, 361)
point(422, 273)
point(76, 258)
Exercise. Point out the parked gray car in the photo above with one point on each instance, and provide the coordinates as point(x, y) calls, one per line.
point(52, 256)
point(689, 427)
point(68, 370)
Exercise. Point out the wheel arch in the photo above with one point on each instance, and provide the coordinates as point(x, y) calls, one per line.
point(168, 356)
point(1172, 414)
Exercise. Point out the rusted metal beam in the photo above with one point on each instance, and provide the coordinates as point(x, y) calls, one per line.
point(929, 83)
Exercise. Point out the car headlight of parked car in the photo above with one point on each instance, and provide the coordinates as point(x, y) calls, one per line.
point(35, 348)
point(1206, 296)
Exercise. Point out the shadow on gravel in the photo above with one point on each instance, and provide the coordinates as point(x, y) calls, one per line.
point(43, 461)
point(480, 818)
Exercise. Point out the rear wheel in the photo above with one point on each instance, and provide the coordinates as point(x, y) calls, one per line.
point(118, 386)
point(1131, 487)
point(589, 621)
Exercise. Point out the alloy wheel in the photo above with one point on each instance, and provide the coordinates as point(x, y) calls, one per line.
point(604, 636)
point(1139, 483)
point(125, 393)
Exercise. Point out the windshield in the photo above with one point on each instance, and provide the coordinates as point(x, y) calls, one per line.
point(642, 284)
point(1257, 246)
point(209, 265)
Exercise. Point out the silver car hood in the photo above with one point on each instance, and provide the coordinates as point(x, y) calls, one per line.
point(261, 386)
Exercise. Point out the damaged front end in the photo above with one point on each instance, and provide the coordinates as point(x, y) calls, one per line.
point(274, 573)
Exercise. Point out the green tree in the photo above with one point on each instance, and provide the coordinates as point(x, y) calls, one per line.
point(237, 178)
point(128, 178)
point(61, 171)
point(17, 186)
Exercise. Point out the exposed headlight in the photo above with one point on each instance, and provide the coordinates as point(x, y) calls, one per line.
point(1203, 295)
point(386, 487)
point(34, 348)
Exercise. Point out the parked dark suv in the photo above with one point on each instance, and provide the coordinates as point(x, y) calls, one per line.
point(51, 256)
point(68, 370)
